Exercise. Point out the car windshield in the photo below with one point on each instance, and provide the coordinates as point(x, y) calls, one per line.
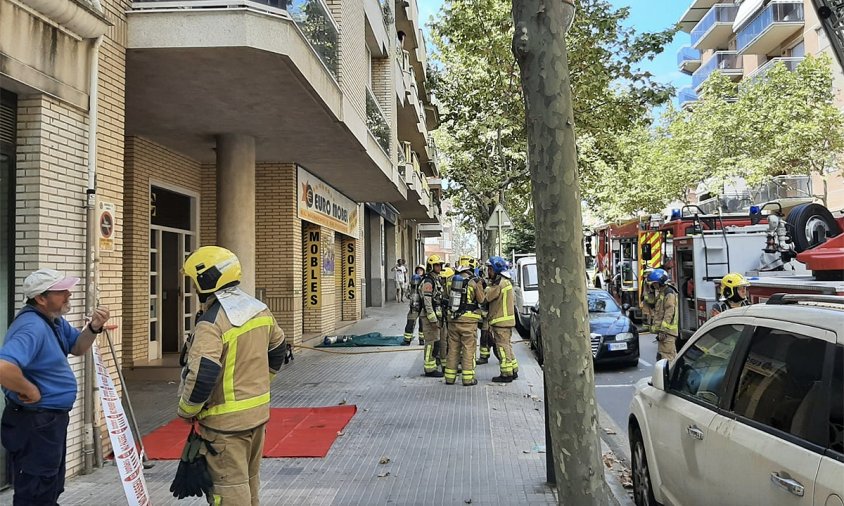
point(530, 280)
point(601, 303)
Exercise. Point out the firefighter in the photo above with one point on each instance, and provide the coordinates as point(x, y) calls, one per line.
point(499, 296)
point(733, 293)
point(464, 299)
point(432, 300)
point(665, 315)
point(235, 350)
point(648, 299)
point(487, 341)
point(415, 298)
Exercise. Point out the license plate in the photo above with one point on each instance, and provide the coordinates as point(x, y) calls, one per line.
point(617, 346)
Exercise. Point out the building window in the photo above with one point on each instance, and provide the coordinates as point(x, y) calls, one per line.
point(798, 50)
point(823, 40)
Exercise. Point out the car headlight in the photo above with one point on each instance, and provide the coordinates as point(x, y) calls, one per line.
point(624, 336)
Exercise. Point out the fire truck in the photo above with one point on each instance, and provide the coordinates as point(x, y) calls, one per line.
point(625, 250)
point(794, 246)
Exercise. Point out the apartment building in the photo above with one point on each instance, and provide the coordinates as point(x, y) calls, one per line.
point(743, 39)
point(294, 132)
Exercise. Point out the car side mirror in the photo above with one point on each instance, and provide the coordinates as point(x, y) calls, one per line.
point(659, 379)
point(534, 309)
point(625, 307)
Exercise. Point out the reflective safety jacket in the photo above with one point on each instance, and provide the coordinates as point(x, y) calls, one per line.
point(226, 381)
point(499, 297)
point(432, 296)
point(470, 310)
point(665, 317)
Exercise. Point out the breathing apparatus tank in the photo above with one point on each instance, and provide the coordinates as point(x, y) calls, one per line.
point(457, 295)
point(415, 296)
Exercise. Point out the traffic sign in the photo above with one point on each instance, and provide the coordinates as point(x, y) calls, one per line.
point(499, 219)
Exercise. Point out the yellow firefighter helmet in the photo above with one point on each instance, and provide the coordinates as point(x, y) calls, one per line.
point(212, 268)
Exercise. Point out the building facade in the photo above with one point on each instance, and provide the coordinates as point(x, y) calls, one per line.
point(298, 137)
point(743, 39)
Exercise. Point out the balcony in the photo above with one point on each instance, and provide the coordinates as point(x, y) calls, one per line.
point(376, 122)
point(191, 75)
point(417, 205)
point(726, 62)
point(790, 64)
point(715, 29)
point(688, 59)
point(696, 11)
point(770, 27)
point(686, 97)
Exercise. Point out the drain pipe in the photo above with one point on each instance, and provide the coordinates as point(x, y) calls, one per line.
point(91, 443)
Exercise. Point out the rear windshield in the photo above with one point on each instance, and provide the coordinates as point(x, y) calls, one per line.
point(601, 302)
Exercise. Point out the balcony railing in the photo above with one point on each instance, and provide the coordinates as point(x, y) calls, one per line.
point(788, 13)
point(687, 54)
point(728, 62)
point(311, 16)
point(686, 95)
point(723, 14)
point(376, 121)
point(790, 64)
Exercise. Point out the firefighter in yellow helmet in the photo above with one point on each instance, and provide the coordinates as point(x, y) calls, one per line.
point(432, 310)
point(235, 350)
point(464, 300)
point(733, 293)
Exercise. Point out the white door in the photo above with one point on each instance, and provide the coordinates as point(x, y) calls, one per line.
point(829, 485)
point(684, 443)
point(770, 452)
point(172, 299)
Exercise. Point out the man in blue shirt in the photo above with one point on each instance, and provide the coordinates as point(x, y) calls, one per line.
point(39, 385)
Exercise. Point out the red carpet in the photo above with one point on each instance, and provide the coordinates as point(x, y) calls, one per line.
point(291, 432)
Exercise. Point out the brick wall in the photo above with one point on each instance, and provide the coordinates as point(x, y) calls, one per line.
point(351, 19)
point(208, 206)
point(147, 163)
point(279, 245)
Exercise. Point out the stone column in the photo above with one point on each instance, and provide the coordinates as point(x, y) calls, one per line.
point(236, 201)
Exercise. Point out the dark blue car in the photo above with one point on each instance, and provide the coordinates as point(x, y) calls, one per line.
point(614, 338)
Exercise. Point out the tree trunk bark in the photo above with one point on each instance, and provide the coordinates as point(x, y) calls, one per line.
point(540, 49)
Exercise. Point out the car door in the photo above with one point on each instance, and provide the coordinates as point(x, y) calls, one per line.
point(829, 485)
point(696, 387)
point(770, 442)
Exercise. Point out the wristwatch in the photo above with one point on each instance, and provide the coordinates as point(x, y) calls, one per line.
point(91, 328)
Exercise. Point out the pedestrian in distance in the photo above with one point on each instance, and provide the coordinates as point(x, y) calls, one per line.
point(465, 297)
point(228, 363)
point(502, 320)
point(400, 277)
point(39, 385)
point(665, 315)
point(416, 306)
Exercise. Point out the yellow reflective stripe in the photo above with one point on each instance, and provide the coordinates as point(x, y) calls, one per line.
point(230, 338)
point(190, 409)
point(235, 406)
point(473, 316)
point(505, 316)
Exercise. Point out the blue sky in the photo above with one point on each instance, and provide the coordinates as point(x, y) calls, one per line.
point(645, 15)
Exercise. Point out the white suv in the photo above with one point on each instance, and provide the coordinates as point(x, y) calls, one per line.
point(750, 413)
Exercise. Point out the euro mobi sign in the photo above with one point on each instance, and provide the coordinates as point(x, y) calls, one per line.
point(321, 204)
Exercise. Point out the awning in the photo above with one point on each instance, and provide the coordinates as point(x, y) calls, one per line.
point(745, 13)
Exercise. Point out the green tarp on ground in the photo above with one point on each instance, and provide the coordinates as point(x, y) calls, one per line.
point(372, 339)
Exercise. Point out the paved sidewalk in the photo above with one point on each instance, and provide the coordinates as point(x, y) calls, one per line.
point(447, 445)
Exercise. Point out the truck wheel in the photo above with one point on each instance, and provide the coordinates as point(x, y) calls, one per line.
point(810, 225)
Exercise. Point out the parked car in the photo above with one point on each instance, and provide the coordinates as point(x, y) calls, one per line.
point(525, 291)
point(614, 338)
point(750, 412)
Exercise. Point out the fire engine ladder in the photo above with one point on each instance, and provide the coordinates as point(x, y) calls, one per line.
point(706, 248)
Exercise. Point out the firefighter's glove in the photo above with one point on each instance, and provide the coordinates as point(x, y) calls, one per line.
point(192, 476)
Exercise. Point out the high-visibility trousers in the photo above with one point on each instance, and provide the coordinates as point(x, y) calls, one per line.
point(236, 468)
point(509, 364)
point(461, 350)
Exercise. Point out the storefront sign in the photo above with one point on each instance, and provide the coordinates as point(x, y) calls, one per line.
point(323, 205)
point(386, 211)
point(126, 457)
point(349, 274)
point(313, 268)
point(105, 225)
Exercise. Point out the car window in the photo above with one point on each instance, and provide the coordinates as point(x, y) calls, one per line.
point(700, 371)
point(781, 384)
point(601, 303)
point(836, 408)
point(530, 279)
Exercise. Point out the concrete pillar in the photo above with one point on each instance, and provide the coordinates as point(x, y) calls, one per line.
point(236, 201)
point(390, 261)
point(375, 260)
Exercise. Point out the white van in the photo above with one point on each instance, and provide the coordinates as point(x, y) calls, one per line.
point(525, 291)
